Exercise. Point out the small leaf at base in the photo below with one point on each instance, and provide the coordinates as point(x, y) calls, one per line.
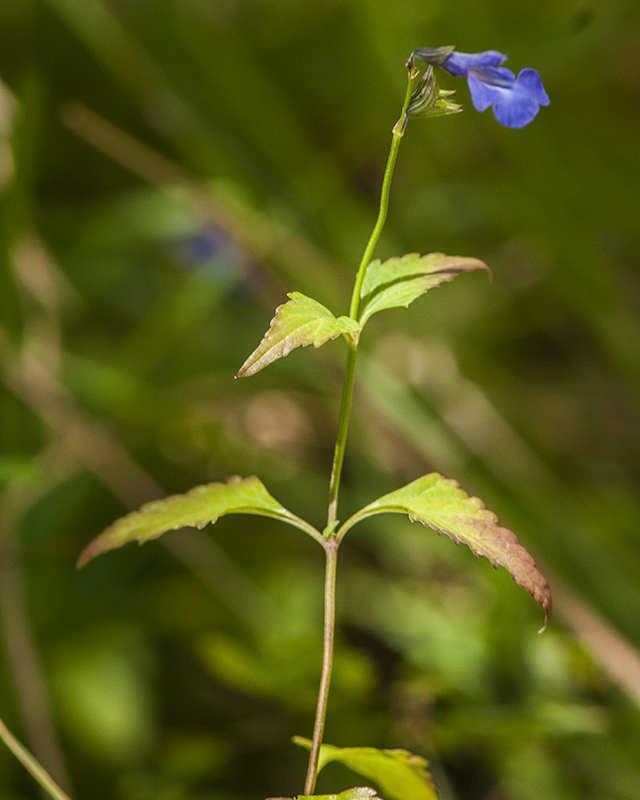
point(358, 793)
point(399, 775)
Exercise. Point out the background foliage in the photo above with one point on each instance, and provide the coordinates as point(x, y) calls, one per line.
point(169, 169)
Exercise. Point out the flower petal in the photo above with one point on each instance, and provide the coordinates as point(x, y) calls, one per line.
point(461, 63)
point(489, 85)
point(531, 80)
point(516, 112)
point(515, 101)
point(482, 94)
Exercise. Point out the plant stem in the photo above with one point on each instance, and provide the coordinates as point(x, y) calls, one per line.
point(331, 550)
point(398, 133)
point(347, 391)
point(29, 762)
point(331, 541)
point(343, 428)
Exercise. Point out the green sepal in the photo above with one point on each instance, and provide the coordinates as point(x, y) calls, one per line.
point(398, 774)
point(399, 281)
point(196, 508)
point(442, 505)
point(297, 323)
point(429, 100)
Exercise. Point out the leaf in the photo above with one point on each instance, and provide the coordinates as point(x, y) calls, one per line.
point(441, 504)
point(196, 508)
point(359, 793)
point(400, 281)
point(400, 775)
point(298, 323)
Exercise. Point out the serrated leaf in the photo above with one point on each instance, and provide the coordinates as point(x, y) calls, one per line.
point(298, 323)
point(399, 774)
point(196, 508)
point(440, 504)
point(400, 281)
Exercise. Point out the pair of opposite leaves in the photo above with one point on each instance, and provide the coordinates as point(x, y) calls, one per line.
point(433, 500)
point(388, 284)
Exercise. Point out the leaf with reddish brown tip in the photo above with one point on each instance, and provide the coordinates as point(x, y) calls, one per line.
point(399, 281)
point(441, 504)
point(298, 323)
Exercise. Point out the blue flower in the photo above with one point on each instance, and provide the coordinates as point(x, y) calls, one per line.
point(462, 63)
point(515, 101)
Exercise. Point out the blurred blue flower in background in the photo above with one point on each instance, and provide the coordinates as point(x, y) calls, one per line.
point(515, 101)
point(212, 253)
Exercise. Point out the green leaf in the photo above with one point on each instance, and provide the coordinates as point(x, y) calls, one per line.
point(399, 775)
point(441, 504)
point(196, 508)
point(298, 323)
point(400, 281)
point(359, 793)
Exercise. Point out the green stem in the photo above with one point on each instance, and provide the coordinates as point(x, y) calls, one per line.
point(331, 550)
point(331, 541)
point(398, 133)
point(28, 761)
point(347, 392)
point(343, 428)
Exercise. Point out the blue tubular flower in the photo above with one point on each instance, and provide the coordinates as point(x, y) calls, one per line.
point(462, 63)
point(515, 101)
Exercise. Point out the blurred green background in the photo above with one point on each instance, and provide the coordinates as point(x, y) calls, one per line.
point(169, 169)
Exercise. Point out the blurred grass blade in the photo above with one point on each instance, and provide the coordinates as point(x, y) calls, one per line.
point(31, 765)
point(113, 45)
point(21, 124)
point(264, 238)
